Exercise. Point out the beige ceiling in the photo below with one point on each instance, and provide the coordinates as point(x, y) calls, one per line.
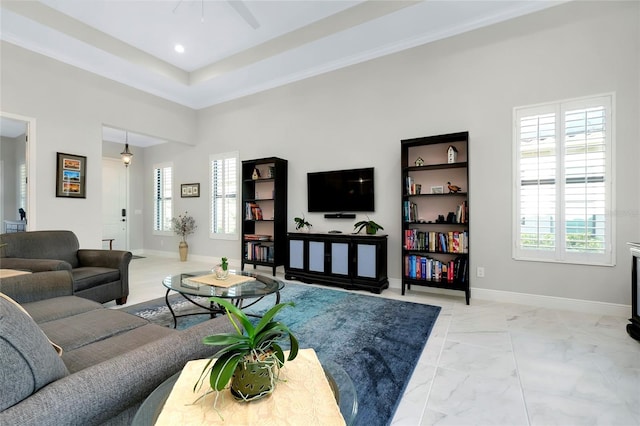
point(235, 48)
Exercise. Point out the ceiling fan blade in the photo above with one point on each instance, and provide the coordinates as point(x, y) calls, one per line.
point(244, 12)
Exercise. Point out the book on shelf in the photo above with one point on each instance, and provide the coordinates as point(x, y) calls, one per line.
point(252, 211)
point(257, 237)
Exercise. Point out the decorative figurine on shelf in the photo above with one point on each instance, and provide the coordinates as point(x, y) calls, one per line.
point(453, 188)
point(419, 162)
point(452, 154)
point(256, 174)
point(23, 214)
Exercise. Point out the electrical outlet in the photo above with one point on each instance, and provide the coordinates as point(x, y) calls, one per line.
point(480, 272)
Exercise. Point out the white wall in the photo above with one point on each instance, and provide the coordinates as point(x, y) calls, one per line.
point(70, 106)
point(356, 117)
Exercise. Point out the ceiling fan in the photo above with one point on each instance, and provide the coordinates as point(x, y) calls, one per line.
point(238, 5)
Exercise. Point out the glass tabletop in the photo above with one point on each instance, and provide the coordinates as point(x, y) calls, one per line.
point(340, 382)
point(260, 286)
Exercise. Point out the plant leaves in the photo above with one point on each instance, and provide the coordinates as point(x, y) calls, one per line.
point(237, 313)
point(270, 314)
point(223, 369)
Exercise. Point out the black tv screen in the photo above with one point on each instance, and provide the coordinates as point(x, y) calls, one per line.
point(341, 191)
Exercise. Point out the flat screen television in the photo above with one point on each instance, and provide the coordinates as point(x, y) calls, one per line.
point(341, 191)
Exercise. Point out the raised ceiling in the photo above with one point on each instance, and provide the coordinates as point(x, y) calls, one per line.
point(235, 48)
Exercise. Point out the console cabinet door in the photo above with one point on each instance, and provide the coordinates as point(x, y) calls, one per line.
point(340, 258)
point(316, 256)
point(296, 254)
point(367, 260)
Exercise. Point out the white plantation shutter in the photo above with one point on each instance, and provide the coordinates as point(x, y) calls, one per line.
point(563, 179)
point(224, 195)
point(163, 189)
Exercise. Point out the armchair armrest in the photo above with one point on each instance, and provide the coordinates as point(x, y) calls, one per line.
point(38, 286)
point(34, 265)
point(104, 258)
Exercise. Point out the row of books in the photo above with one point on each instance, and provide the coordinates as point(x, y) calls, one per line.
point(410, 211)
point(260, 251)
point(426, 268)
point(411, 187)
point(252, 211)
point(442, 242)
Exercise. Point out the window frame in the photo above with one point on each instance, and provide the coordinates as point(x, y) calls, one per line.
point(235, 155)
point(560, 254)
point(161, 167)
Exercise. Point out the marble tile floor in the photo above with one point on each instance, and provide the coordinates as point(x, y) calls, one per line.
point(495, 363)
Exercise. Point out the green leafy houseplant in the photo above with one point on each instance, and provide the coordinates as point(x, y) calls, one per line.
point(301, 222)
point(225, 264)
point(369, 224)
point(249, 345)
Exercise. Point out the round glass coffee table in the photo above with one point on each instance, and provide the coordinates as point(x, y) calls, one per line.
point(243, 295)
point(340, 382)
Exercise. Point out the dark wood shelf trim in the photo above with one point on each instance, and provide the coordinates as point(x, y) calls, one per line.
point(459, 165)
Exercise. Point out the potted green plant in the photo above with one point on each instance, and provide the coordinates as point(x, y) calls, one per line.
point(222, 270)
point(252, 357)
point(183, 225)
point(302, 223)
point(370, 226)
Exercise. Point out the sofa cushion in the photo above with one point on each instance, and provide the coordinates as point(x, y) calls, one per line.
point(103, 350)
point(29, 362)
point(92, 276)
point(90, 327)
point(60, 307)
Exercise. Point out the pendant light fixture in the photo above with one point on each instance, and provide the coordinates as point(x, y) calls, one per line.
point(126, 154)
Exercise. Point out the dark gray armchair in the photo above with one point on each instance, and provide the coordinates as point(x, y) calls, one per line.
point(100, 275)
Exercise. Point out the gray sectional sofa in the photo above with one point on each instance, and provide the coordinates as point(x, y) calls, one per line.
point(111, 360)
point(100, 275)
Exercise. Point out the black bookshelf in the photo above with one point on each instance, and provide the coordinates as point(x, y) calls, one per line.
point(264, 213)
point(435, 219)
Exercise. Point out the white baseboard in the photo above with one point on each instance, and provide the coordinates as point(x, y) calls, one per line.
point(553, 302)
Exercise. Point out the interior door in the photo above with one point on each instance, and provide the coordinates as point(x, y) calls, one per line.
point(115, 211)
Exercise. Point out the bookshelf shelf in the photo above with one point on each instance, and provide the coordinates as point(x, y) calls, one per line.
point(264, 224)
point(435, 223)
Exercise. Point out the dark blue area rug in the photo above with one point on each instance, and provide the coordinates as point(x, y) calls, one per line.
point(377, 341)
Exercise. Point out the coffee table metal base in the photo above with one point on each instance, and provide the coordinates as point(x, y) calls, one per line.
point(212, 309)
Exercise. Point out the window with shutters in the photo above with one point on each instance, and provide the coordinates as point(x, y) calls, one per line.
point(162, 193)
point(563, 181)
point(224, 195)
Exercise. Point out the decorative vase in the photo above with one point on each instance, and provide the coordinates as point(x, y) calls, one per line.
point(184, 251)
point(221, 274)
point(252, 380)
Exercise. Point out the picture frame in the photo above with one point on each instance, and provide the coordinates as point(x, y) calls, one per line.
point(190, 190)
point(71, 175)
point(437, 189)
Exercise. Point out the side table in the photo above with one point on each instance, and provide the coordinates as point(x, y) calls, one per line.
point(339, 380)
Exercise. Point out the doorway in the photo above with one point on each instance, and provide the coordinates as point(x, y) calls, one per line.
point(115, 204)
point(17, 152)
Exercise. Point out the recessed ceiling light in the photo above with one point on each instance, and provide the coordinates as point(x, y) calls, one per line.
point(179, 48)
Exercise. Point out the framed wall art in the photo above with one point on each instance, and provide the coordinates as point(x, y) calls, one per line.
point(188, 190)
point(71, 173)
